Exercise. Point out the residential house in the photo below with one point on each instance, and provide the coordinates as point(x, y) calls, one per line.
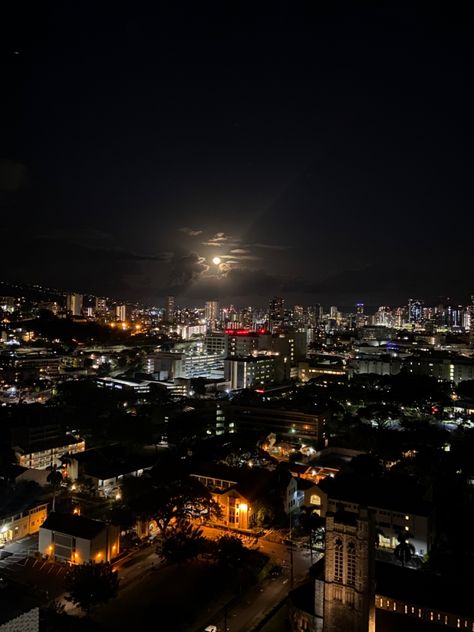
point(241, 491)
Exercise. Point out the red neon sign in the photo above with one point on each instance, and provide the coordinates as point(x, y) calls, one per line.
point(245, 332)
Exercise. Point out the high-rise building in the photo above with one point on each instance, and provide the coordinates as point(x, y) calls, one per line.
point(121, 313)
point(383, 316)
point(247, 317)
point(415, 311)
point(74, 304)
point(471, 321)
point(276, 312)
point(314, 315)
point(241, 343)
point(212, 314)
point(100, 306)
point(360, 317)
point(170, 309)
point(254, 372)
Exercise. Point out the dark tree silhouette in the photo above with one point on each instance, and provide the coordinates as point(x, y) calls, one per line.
point(168, 500)
point(182, 542)
point(236, 562)
point(89, 585)
point(404, 551)
point(230, 552)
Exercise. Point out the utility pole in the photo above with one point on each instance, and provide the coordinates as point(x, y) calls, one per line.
point(292, 576)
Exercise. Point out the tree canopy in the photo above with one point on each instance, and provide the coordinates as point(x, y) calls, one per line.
point(182, 542)
point(89, 585)
point(168, 499)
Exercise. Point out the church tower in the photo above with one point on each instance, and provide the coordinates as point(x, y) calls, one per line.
point(349, 586)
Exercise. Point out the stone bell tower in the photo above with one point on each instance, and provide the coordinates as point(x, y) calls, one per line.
point(349, 586)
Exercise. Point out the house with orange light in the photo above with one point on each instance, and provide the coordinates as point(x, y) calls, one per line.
point(75, 539)
point(239, 491)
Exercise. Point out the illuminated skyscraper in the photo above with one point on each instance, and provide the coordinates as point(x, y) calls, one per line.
point(170, 309)
point(100, 306)
point(276, 312)
point(471, 321)
point(360, 317)
point(74, 304)
point(212, 314)
point(121, 313)
point(415, 311)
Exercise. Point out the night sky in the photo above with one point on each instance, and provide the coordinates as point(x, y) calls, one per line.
point(323, 152)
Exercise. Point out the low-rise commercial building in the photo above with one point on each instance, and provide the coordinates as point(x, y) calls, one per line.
point(74, 539)
point(47, 453)
point(14, 526)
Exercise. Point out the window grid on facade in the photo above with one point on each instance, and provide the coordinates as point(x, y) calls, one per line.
point(351, 564)
point(338, 561)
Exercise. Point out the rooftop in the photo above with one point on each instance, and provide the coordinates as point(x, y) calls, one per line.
point(424, 589)
point(111, 461)
point(74, 525)
point(388, 492)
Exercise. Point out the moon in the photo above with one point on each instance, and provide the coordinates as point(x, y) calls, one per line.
point(216, 260)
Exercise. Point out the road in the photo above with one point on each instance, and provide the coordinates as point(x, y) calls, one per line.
point(244, 613)
point(131, 568)
point(252, 607)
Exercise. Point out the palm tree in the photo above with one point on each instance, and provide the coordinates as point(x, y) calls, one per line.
point(54, 478)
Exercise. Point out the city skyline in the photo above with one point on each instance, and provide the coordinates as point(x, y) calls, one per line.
point(34, 291)
point(236, 316)
point(323, 155)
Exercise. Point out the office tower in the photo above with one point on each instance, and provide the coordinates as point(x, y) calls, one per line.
point(360, 317)
point(276, 312)
point(74, 304)
point(169, 309)
point(121, 313)
point(247, 317)
point(471, 321)
point(314, 315)
point(212, 314)
point(415, 311)
point(100, 306)
point(383, 316)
